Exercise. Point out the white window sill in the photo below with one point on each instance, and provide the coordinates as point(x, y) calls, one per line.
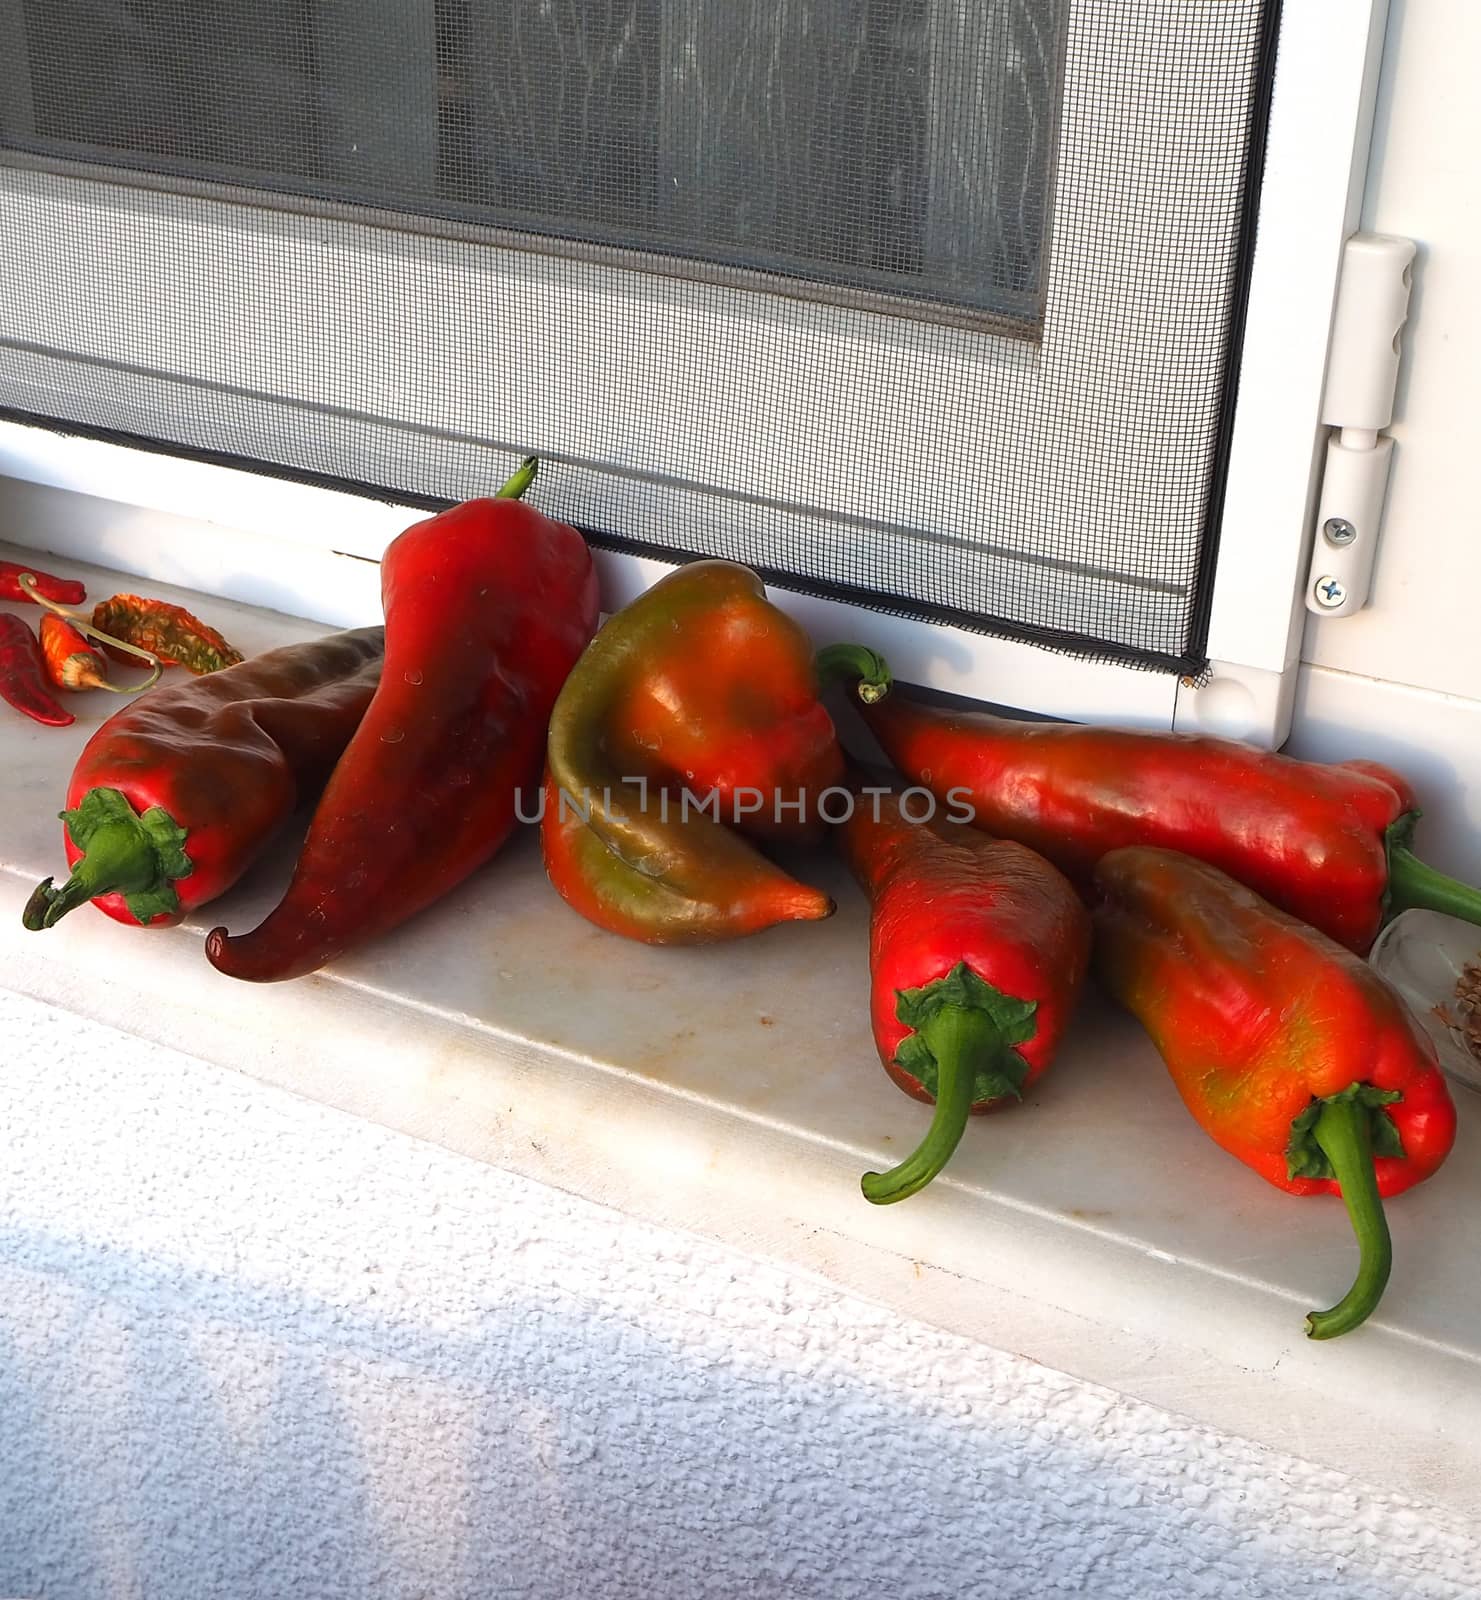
point(735, 1093)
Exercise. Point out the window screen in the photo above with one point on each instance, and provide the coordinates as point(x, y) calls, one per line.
point(917, 303)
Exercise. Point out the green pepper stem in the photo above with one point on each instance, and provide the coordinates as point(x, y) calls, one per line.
point(1412, 883)
point(1342, 1131)
point(120, 858)
point(869, 670)
point(524, 476)
point(962, 1039)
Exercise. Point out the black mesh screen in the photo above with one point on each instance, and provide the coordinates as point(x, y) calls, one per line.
point(923, 304)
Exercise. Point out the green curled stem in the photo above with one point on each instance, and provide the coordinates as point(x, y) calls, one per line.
point(1342, 1130)
point(961, 1038)
point(868, 670)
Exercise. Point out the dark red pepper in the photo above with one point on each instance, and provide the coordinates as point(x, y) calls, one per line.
point(23, 674)
point(1328, 843)
point(65, 591)
point(175, 796)
point(487, 608)
point(977, 950)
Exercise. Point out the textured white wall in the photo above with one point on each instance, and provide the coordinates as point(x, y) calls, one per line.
point(252, 1347)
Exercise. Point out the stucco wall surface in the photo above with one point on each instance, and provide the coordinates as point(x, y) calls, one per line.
point(251, 1347)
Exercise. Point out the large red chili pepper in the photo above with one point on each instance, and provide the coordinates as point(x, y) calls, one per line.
point(977, 949)
point(1291, 1052)
point(23, 674)
point(1328, 843)
point(487, 608)
point(66, 591)
point(699, 691)
point(177, 794)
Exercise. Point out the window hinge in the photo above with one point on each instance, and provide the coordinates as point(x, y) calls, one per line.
point(1358, 404)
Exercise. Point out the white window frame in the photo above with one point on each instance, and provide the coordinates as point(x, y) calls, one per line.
point(1316, 155)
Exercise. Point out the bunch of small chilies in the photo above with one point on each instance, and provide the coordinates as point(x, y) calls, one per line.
point(1229, 893)
point(133, 630)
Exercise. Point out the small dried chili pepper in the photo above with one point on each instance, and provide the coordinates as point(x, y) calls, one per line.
point(166, 630)
point(977, 949)
point(66, 591)
point(71, 662)
point(177, 794)
point(1327, 843)
point(1290, 1051)
point(700, 686)
point(487, 608)
point(23, 674)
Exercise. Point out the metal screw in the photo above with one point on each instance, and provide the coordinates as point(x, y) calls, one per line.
point(1330, 592)
point(1338, 530)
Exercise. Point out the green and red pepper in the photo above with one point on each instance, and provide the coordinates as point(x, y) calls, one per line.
point(170, 632)
point(694, 718)
point(1290, 1051)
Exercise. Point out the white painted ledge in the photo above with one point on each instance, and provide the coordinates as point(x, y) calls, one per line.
point(735, 1093)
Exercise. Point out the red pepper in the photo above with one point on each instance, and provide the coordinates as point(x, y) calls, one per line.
point(487, 608)
point(977, 949)
point(698, 691)
point(23, 674)
point(1328, 843)
point(65, 591)
point(71, 662)
point(176, 795)
point(1291, 1052)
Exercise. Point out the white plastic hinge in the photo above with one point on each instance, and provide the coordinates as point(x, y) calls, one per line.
point(1358, 404)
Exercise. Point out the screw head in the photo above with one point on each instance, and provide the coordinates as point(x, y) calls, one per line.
point(1330, 592)
point(1338, 531)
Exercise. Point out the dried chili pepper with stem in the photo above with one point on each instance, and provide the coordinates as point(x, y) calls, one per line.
point(65, 591)
point(72, 663)
point(175, 635)
point(83, 626)
point(1290, 1051)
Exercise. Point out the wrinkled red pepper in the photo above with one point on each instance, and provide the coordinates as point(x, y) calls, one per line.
point(23, 674)
point(977, 949)
point(175, 635)
point(1327, 843)
point(1291, 1052)
point(487, 608)
point(65, 591)
point(177, 794)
